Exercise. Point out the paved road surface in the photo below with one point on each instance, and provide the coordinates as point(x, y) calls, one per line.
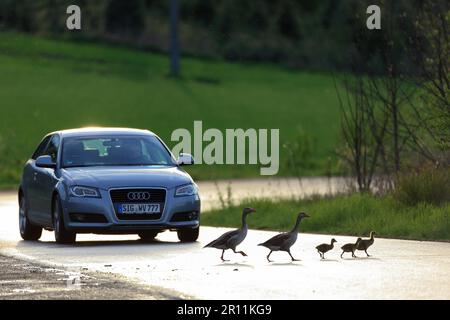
point(398, 269)
point(26, 280)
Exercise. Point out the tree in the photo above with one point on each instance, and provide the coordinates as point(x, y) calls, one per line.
point(363, 132)
point(430, 47)
point(125, 17)
point(174, 45)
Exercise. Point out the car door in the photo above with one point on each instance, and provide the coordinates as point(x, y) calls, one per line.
point(45, 182)
point(31, 183)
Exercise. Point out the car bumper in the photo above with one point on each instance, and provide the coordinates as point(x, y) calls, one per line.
point(97, 215)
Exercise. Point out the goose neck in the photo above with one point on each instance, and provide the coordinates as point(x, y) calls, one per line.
point(297, 224)
point(244, 221)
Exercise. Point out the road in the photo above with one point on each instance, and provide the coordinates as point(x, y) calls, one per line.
point(397, 269)
point(26, 280)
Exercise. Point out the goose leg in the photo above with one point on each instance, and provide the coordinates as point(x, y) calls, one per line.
point(353, 254)
point(223, 252)
point(269, 256)
point(320, 254)
point(367, 253)
point(293, 259)
point(342, 254)
point(241, 252)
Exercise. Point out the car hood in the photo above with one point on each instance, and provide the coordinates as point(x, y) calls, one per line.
point(119, 177)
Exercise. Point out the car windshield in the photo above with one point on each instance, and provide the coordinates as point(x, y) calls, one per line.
point(115, 151)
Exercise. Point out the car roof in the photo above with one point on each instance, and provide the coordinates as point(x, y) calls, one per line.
point(97, 131)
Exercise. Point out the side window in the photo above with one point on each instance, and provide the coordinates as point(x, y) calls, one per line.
point(41, 148)
point(52, 148)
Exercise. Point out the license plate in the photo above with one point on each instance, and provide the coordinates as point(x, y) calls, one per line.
point(140, 208)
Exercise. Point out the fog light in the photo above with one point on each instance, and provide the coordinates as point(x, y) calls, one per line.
point(193, 215)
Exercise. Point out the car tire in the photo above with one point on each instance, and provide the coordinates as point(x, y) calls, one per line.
point(148, 235)
point(28, 230)
point(62, 235)
point(188, 235)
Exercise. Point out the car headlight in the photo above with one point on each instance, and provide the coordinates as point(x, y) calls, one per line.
point(186, 190)
point(84, 192)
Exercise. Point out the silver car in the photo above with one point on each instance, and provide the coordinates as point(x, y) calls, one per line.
point(107, 181)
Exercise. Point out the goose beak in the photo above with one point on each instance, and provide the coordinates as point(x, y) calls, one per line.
point(253, 210)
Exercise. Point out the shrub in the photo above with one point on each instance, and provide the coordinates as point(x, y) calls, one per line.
point(428, 185)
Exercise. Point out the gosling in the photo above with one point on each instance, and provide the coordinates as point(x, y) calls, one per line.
point(366, 243)
point(350, 247)
point(324, 248)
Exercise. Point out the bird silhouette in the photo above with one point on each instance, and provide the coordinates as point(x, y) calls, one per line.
point(284, 241)
point(231, 239)
point(364, 244)
point(325, 247)
point(350, 247)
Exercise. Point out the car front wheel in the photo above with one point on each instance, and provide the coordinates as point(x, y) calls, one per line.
point(28, 231)
point(62, 235)
point(188, 235)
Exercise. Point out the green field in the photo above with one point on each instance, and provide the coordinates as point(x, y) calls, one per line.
point(47, 85)
point(346, 215)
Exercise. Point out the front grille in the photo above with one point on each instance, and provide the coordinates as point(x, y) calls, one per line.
point(121, 196)
point(157, 196)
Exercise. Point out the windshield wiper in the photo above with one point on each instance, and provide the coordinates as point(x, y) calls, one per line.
point(118, 165)
point(139, 164)
point(81, 166)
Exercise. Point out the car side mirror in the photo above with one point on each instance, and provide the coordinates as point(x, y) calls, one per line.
point(45, 162)
point(185, 159)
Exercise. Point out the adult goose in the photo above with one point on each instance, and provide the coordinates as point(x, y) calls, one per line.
point(364, 244)
point(284, 241)
point(231, 239)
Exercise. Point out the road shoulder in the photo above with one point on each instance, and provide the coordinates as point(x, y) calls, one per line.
point(24, 280)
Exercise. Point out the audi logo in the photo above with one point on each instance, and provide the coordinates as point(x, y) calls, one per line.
point(134, 196)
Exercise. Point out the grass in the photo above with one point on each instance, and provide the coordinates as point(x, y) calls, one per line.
point(46, 85)
point(429, 185)
point(346, 215)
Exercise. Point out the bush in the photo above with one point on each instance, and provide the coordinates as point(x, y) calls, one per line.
point(428, 185)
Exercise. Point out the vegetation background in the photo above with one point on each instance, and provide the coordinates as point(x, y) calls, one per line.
point(371, 104)
point(311, 35)
point(267, 64)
